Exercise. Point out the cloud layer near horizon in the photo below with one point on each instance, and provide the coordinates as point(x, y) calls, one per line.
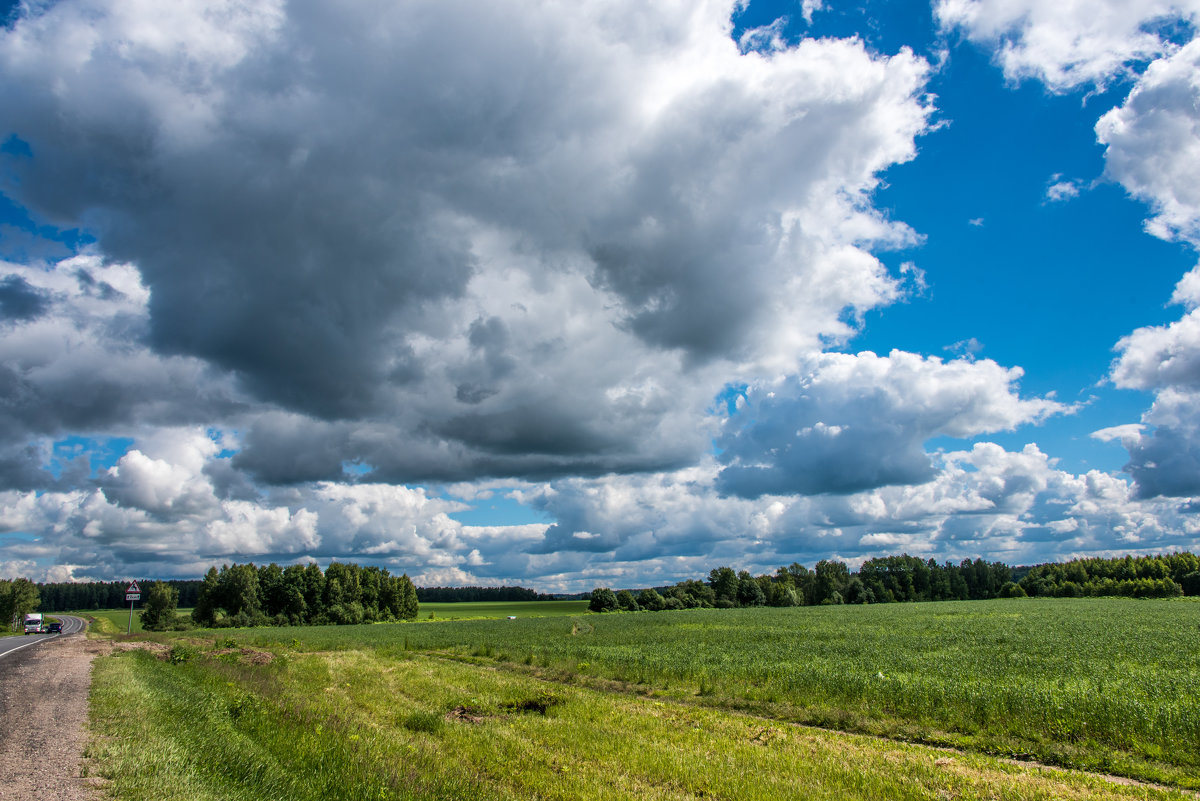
point(339, 265)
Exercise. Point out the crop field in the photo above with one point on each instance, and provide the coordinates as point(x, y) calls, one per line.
point(656, 703)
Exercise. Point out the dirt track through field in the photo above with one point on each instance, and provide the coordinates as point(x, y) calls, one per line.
point(43, 714)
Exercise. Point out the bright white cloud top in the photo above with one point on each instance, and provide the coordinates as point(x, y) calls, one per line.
point(290, 282)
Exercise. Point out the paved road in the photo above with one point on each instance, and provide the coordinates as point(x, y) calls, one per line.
point(71, 625)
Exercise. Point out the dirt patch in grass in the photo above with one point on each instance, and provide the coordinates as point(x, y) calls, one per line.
point(249, 656)
point(466, 714)
point(159, 649)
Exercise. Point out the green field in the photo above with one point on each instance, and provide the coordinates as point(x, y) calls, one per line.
point(644, 701)
point(116, 621)
point(472, 610)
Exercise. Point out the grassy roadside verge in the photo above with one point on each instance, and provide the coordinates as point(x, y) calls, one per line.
point(359, 724)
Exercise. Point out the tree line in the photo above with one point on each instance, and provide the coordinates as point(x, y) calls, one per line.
point(298, 595)
point(1164, 576)
point(892, 579)
point(240, 595)
point(267, 595)
point(475, 594)
point(66, 596)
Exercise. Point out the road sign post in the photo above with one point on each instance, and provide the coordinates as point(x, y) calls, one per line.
point(132, 593)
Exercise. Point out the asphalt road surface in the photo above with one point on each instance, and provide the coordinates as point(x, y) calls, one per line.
point(71, 625)
point(44, 682)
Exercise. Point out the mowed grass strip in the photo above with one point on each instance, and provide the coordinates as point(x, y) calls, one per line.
point(366, 725)
point(1108, 685)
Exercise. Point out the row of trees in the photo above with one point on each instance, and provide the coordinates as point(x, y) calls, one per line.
point(1164, 576)
point(18, 597)
point(908, 578)
point(463, 594)
point(344, 593)
point(66, 596)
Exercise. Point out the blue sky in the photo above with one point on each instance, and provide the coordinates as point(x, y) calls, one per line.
point(610, 296)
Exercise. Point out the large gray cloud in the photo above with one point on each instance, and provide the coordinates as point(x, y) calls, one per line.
point(510, 240)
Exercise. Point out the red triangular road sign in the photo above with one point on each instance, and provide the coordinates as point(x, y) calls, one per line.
point(133, 587)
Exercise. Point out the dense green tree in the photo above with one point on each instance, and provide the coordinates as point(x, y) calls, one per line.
point(803, 580)
point(627, 602)
point(603, 600)
point(207, 601)
point(159, 613)
point(856, 592)
point(651, 600)
point(830, 576)
point(409, 608)
point(780, 593)
point(314, 593)
point(1012, 590)
point(237, 591)
point(18, 597)
point(700, 593)
point(724, 584)
point(749, 592)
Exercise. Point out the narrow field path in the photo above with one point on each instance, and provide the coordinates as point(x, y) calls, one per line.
point(43, 719)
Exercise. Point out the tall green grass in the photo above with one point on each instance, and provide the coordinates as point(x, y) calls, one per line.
point(1105, 684)
point(362, 724)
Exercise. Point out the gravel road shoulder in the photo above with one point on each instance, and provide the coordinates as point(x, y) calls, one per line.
point(43, 718)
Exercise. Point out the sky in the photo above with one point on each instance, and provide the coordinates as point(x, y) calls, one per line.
point(604, 293)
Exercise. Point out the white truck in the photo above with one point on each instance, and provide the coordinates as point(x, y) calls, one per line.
point(34, 623)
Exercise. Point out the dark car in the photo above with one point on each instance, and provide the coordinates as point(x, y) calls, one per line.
point(55, 628)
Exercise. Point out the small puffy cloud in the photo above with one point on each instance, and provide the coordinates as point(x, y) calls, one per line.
point(1121, 433)
point(967, 348)
point(855, 422)
point(1065, 45)
point(1059, 190)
